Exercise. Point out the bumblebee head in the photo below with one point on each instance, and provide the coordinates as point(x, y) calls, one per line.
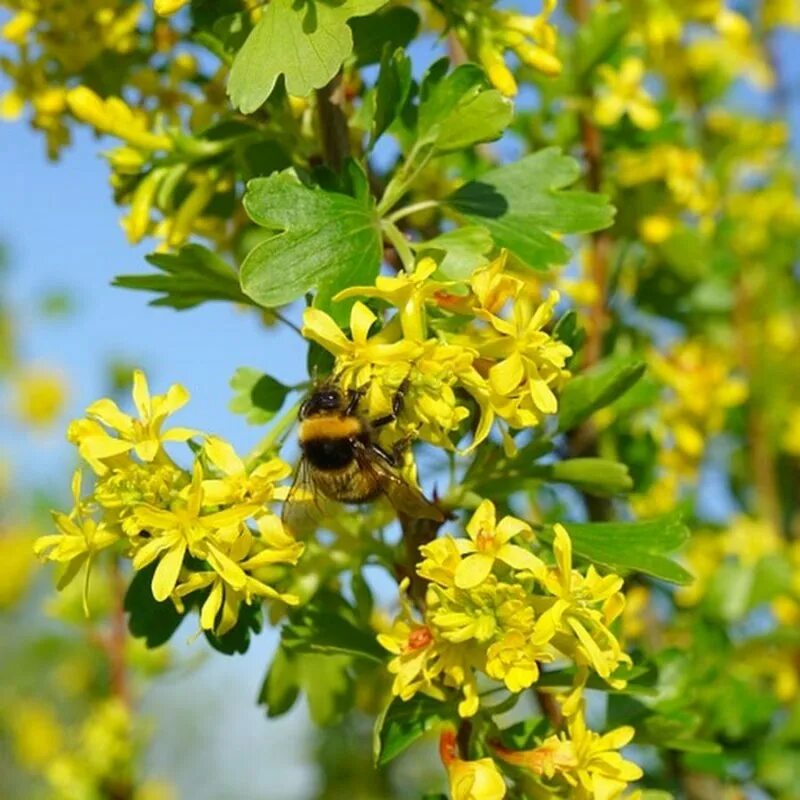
point(322, 401)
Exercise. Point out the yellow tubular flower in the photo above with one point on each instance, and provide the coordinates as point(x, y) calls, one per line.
point(622, 93)
point(470, 780)
point(113, 116)
point(16, 30)
point(143, 436)
point(489, 541)
point(167, 7)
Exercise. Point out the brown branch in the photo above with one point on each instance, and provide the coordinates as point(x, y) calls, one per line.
point(550, 708)
point(333, 133)
point(117, 635)
point(600, 246)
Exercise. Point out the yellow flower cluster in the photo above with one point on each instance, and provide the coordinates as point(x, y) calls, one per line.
point(71, 36)
point(148, 508)
point(489, 34)
point(622, 93)
point(586, 764)
point(700, 388)
point(503, 357)
point(493, 607)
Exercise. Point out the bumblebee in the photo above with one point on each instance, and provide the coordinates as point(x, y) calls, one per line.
point(341, 460)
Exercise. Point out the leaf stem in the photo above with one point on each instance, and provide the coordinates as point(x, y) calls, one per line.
point(405, 176)
point(412, 209)
point(395, 237)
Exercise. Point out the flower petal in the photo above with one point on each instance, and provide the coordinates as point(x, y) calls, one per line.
point(166, 575)
point(141, 394)
point(473, 570)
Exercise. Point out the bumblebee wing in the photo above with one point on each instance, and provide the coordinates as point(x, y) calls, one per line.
point(302, 512)
point(402, 495)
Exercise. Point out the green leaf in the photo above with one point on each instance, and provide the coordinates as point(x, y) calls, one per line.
point(641, 680)
point(391, 90)
point(525, 734)
point(304, 42)
point(325, 680)
point(597, 476)
point(147, 618)
point(395, 26)
point(280, 689)
point(632, 546)
point(256, 395)
point(323, 240)
point(459, 109)
point(523, 204)
point(465, 249)
point(403, 722)
point(330, 625)
point(192, 276)
point(237, 639)
point(595, 389)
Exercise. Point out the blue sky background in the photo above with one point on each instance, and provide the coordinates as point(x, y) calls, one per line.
point(62, 232)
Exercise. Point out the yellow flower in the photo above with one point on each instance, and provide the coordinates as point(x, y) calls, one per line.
point(77, 542)
point(184, 528)
point(238, 484)
point(220, 611)
point(583, 625)
point(514, 659)
point(490, 541)
point(143, 436)
point(113, 116)
point(588, 762)
point(167, 7)
point(406, 292)
point(40, 396)
point(36, 734)
point(16, 30)
point(18, 561)
point(530, 363)
point(470, 780)
point(423, 662)
point(622, 93)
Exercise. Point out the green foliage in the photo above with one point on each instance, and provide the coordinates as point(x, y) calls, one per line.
point(330, 625)
point(632, 546)
point(192, 276)
point(305, 43)
point(458, 109)
point(147, 618)
point(256, 395)
point(404, 722)
point(391, 90)
point(597, 388)
point(523, 204)
point(322, 240)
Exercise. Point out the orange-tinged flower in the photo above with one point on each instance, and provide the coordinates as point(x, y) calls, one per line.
point(470, 780)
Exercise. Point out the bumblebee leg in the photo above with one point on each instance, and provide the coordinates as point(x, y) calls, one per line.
point(353, 399)
point(397, 406)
